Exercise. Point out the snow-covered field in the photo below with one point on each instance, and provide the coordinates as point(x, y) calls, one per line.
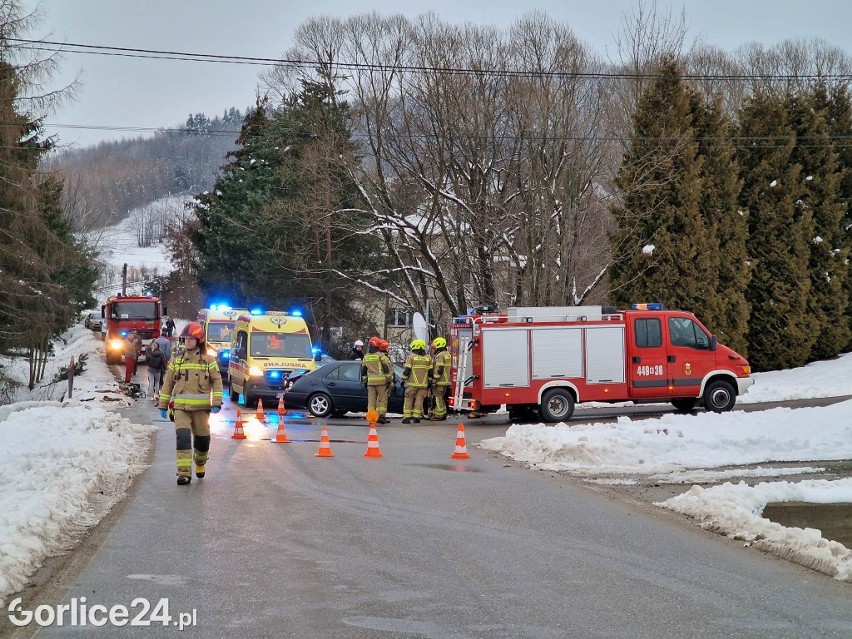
point(702, 447)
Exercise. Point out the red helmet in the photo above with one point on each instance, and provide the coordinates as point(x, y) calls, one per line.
point(375, 342)
point(193, 329)
point(383, 347)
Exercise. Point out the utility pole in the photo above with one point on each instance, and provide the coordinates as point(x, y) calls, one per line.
point(124, 280)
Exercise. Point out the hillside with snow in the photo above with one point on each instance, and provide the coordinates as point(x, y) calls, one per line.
point(120, 244)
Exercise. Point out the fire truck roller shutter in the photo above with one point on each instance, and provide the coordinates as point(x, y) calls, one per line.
point(557, 353)
point(506, 355)
point(605, 354)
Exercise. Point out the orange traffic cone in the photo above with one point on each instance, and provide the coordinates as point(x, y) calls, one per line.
point(325, 445)
point(238, 427)
point(461, 445)
point(373, 449)
point(260, 416)
point(281, 436)
point(281, 409)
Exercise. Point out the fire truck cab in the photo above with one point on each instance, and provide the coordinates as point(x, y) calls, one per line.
point(266, 348)
point(550, 358)
point(123, 314)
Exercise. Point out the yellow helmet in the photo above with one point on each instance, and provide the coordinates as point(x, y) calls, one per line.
point(439, 342)
point(418, 344)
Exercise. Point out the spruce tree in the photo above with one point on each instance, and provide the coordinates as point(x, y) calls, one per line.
point(727, 220)
point(781, 331)
point(821, 177)
point(840, 125)
point(662, 249)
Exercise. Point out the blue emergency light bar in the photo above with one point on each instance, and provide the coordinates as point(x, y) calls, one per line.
point(650, 306)
point(256, 311)
point(296, 313)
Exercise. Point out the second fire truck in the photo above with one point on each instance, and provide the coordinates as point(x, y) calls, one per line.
point(548, 359)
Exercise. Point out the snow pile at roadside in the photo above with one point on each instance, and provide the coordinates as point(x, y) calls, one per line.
point(95, 383)
point(675, 443)
point(735, 511)
point(62, 467)
point(830, 378)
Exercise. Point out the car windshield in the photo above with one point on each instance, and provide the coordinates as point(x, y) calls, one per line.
point(281, 345)
point(134, 310)
point(220, 331)
point(94, 316)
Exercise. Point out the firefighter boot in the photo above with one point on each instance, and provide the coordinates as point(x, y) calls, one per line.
point(406, 420)
point(199, 470)
point(183, 480)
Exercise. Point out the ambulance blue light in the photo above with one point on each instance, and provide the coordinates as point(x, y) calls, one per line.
point(316, 351)
point(256, 311)
point(225, 354)
point(296, 313)
point(223, 307)
point(650, 306)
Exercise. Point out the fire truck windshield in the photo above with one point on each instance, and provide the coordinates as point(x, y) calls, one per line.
point(281, 345)
point(134, 310)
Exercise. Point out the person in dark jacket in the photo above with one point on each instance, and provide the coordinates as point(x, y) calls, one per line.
point(156, 362)
point(170, 327)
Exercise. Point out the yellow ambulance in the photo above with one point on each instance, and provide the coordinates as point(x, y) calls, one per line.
point(266, 348)
point(218, 322)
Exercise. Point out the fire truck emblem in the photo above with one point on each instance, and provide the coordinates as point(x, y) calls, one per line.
point(278, 321)
point(687, 368)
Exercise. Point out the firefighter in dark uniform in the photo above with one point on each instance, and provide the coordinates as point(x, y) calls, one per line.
point(416, 376)
point(375, 368)
point(442, 362)
point(194, 386)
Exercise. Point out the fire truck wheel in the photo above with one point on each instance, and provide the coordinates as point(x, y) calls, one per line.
point(719, 396)
point(684, 404)
point(557, 405)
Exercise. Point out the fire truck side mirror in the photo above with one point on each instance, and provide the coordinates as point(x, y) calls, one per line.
point(165, 310)
point(714, 342)
point(103, 310)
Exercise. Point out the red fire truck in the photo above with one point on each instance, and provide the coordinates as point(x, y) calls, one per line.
point(550, 358)
point(123, 314)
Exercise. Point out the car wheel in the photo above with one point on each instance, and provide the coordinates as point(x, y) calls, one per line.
point(319, 405)
point(719, 396)
point(684, 404)
point(557, 405)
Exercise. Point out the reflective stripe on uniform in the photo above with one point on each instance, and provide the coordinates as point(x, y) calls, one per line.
point(420, 366)
point(375, 370)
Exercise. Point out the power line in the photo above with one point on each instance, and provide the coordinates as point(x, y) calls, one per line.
point(132, 52)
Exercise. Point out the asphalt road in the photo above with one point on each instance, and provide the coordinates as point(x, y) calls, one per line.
point(276, 542)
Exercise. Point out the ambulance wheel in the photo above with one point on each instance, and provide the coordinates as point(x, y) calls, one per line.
point(319, 405)
point(557, 405)
point(719, 396)
point(684, 404)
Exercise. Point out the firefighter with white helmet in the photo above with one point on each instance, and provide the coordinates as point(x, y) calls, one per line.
point(193, 386)
point(358, 349)
point(442, 363)
point(416, 375)
point(374, 374)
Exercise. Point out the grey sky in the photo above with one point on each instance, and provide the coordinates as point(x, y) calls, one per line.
point(153, 93)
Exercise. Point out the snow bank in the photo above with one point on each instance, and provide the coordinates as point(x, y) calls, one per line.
point(830, 378)
point(62, 467)
point(735, 511)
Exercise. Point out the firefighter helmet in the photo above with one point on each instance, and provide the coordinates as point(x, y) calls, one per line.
point(375, 342)
point(439, 342)
point(358, 342)
point(383, 347)
point(418, 344)
point(193, 329)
